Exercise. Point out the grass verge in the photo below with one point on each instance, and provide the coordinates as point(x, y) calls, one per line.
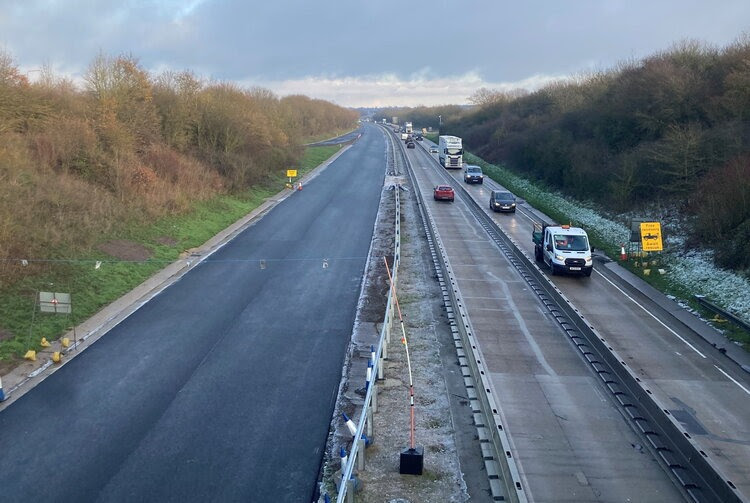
point(92, 288)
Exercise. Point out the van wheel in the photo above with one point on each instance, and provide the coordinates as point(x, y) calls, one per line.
point(537, 254)
point(552, 268)
point(587, 273)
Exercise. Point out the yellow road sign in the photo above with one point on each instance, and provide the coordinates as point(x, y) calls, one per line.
point(651, 236)
point(291, 173)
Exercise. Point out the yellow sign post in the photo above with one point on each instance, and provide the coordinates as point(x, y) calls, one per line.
point(651, 236)
point(290, 173)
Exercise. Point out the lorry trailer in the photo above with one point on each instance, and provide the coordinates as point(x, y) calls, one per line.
point(450, 152)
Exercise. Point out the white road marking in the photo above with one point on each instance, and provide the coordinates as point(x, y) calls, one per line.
point(650, 314)
point(733, 380)
point(524, 329)
point(525, 214)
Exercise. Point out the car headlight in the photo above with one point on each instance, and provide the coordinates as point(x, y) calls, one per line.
point(589, 261)
point(560, 258)
point(513, 205)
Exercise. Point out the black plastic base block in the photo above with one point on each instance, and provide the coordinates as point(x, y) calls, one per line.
point(412, 461)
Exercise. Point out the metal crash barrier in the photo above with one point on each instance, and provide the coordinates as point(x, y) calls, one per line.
point(364, 428)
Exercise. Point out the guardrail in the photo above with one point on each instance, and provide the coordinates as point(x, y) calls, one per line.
point(498, 439)
point(690, 467)
point(722, 312)
point(365, 424)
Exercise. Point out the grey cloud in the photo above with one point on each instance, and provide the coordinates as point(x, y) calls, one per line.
point(292, 39)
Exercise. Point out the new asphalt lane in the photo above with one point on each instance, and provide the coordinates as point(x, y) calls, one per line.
point(222, 387)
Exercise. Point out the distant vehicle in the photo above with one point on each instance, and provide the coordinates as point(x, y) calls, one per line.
point(562, 248)
point(410, 144)
point(419, 137)
point(501, 200)
point(404, 135)
point(473, 174)
point(450, 152)
point(444, 193)
point(434, 149)
point(407, 126)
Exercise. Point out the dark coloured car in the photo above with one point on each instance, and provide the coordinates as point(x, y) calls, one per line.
point(473, 174)
point(501, 200)
point(410, 144)
point(419, 137)
point(434, 149)
point(444, 193)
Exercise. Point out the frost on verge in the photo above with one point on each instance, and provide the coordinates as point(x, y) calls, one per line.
point(694, 271)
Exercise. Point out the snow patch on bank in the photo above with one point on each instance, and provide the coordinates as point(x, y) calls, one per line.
point(691, 270)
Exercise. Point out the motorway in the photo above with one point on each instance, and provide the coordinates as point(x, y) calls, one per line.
point(222, 387)
point(571, 440)
point(704, 391)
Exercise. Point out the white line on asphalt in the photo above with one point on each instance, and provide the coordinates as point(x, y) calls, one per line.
point(650, 314)
point(733, 380)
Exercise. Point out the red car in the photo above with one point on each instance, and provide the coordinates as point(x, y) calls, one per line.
point(444, 193)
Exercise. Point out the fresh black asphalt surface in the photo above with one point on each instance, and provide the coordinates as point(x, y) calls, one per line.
point(222, 387)
point(348, 137)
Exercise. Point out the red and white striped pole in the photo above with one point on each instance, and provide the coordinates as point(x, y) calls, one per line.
point(412, 459)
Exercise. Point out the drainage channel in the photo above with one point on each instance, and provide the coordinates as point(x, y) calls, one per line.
point(687, 465)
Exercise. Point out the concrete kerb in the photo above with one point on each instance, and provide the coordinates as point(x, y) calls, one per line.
point(708, 333)
point(30, 373)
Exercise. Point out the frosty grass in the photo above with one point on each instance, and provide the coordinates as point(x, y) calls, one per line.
point(692, 271)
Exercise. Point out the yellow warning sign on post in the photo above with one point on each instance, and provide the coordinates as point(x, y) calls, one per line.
point(291, 173)
point(651, 236)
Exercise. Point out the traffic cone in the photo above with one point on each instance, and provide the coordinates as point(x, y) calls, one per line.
point(353, 429)
point(299, 187)
point(623, 255)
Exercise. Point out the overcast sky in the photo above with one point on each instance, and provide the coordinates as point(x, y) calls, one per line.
point(364, 53)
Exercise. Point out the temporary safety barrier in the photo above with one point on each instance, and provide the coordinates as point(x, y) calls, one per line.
point(363, 429)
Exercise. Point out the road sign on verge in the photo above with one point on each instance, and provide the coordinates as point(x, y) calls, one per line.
point(291, 173)
point(54, 302)
point(651, 236)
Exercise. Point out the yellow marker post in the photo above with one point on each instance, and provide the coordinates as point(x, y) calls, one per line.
point(651, 236)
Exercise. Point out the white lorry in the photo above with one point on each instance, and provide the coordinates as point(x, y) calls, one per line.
point(408, 127)
point(450, 152)
point(562, 248)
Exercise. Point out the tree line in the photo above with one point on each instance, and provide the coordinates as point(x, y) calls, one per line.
point(670, 130)
point(75, 159)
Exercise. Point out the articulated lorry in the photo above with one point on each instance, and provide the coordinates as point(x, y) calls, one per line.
point(562, 248)
point(450, 152)
point(408, 127)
